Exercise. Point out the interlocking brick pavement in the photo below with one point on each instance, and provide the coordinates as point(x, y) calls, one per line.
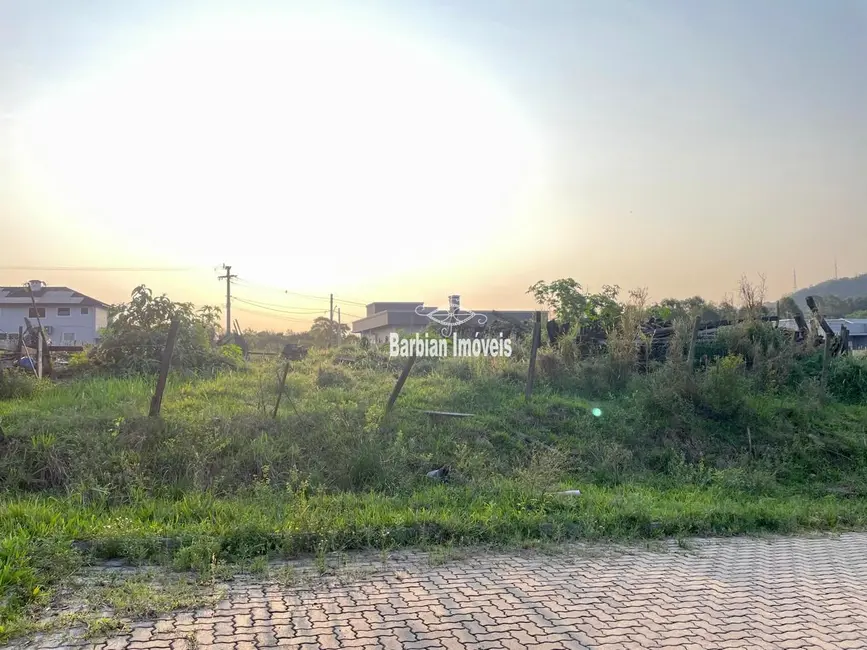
point(732, 593)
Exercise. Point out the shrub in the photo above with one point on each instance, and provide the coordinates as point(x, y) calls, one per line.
point(15, 384)
point(232, 352)
point(458, 367)
point(754, 341)
point(551, 366)
point(600, 376)
point(847, 379)
point(137, 333)
point(722, 389)
point(329, 377)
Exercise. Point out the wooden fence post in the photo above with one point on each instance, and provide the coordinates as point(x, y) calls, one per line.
point(20, 349)
point(399, 385)
point(534, 348)
point(826, 358)
point(844, 340)
point(39, 347)
point(282, 388)
point(165, 364)
point(691, 354)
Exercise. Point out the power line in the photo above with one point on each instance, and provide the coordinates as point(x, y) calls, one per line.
point(352, 302)
point(279, 311)
point(112, 269)
point(276, 289)
point(259, 303)
point(303, 295)
point(259, 313)
point(306, 295)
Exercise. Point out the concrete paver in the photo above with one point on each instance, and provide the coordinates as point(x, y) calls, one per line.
point(731, 593)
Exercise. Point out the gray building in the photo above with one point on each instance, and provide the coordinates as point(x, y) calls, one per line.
point(383, 318)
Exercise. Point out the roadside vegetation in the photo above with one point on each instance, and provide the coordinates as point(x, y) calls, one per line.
point(747, 438)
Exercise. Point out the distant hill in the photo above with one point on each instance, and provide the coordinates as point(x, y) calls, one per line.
point(841, 288)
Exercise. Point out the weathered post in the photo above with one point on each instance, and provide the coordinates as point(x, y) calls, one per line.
point(534, 348)
point(826, 358)
point(165, 364)
point(844, 340)
point(691, 354)
point(400, 382)
point(39, 345)
point(291, 352)
point(282, 388)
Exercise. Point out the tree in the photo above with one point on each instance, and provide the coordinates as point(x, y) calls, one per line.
point(137, 331)
point(571, 305)
point(834, 307)
point(324, 331)
point(565, 297)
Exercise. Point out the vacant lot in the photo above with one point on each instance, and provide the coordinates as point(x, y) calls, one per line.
point(742, 445)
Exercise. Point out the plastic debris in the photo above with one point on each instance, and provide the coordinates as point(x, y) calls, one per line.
point(440, 474)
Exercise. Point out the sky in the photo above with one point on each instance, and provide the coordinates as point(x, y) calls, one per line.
point(408, 150)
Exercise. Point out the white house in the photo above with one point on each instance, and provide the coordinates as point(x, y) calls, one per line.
point(69, 317)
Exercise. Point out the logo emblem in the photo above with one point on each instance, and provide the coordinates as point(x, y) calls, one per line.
point(451, 318)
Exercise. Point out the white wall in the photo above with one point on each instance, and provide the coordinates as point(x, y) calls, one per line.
point(80, 329)
point(380, 334)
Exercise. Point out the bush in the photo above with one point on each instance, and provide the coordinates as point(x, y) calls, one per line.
point(137, 333)
point(722, 389)
point(458, 367)
point(329, 377)
point(847, 379)
point(15, 384)
point(551, 366)
point(754, 341)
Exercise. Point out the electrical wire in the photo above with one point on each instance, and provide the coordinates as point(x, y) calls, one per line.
point(257, 303)
point(277, 310)
point(259, 313)
point(276, 289)
point(303, 295)
point(351, 302)
point(112, 269)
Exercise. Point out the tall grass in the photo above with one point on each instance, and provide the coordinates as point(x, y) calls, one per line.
point(748, 441)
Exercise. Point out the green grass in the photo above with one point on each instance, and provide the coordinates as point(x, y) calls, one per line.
point(217, 482)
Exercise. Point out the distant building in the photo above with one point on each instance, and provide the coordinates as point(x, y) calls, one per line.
point(383, 318)
point(69, 317)
point(857, 329)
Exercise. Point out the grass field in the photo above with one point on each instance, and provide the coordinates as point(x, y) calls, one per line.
point(721, 451)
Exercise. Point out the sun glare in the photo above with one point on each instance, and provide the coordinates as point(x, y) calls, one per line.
point(344, 140)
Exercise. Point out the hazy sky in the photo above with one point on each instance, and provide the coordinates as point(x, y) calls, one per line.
point(408, 150)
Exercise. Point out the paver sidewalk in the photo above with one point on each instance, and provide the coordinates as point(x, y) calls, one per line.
point(733, 593)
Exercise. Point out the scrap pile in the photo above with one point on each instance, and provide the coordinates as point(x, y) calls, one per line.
point(657, 333)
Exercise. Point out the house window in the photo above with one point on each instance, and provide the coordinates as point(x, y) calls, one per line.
point(85, 310)
point(37, 312)
point(68, 337)
point(63, 311)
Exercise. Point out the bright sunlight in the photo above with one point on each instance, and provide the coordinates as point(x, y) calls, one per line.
point(350, 139)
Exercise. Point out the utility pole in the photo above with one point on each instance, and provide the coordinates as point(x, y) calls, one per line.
point(338, 326)
point(835, 268)
point(795, 279)
point(331, 335)
point(228, 278)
